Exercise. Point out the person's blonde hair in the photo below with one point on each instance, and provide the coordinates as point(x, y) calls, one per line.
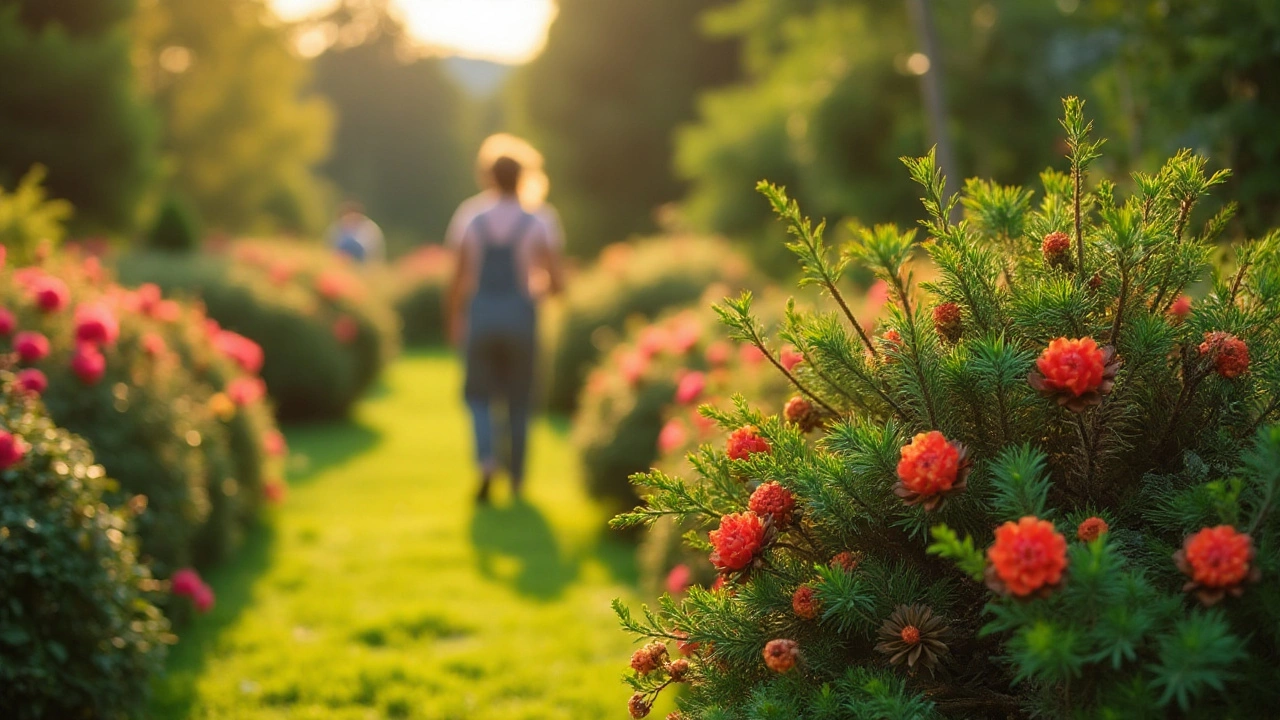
point(533, 179)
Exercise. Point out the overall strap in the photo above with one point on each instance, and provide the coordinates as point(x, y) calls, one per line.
point(522, 226)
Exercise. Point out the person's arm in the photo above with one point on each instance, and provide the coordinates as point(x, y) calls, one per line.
point(456, 300)
point(553, 263)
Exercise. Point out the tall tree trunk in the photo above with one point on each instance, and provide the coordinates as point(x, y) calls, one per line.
point(932, 91)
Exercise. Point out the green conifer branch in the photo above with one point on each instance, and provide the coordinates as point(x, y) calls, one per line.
point(1083, 152)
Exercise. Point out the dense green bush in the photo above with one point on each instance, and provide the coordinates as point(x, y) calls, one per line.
point(151, 389)
point(79, 637)
point(176, 228)
point(631, 280)
point(419, 282)
point(324, 333)
point(1049, 489)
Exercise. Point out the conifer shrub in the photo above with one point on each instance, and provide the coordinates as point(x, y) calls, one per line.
point(79, 634)
point(419, 282)
point(630, 281)
point(1050, 490)
point(324, 333)
point(176, 228)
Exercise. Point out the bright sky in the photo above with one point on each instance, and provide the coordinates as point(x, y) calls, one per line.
point(511, 31)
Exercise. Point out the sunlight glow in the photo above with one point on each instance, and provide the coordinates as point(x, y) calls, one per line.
point(510, 31)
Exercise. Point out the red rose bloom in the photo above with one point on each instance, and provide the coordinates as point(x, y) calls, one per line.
point(781, 655)
point(240, 349)
point(96, 324)
point(50, 293)
point(154, 345)
point(846, 561)
point(805, 603)
point(88, 364)
point(185, 582)
point(246, 391)
point(1218, 560)
point(690, 387)
point(802, 414)
point(12, 449)
point(931, 468)
point(146, 298)
point(274, 443)
point(745, 442)
point(31, 382)
point(1180, 308)
point(8, 323)
point(1091, 529)
point(948, 321)
point(332, 286)
point(31, 346)
point(1229, 354)
point(774, 500)
point(1027, 556)
point(1075, 372)
point(737, 541)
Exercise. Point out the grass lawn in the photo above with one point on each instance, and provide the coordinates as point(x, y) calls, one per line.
point(379, 590)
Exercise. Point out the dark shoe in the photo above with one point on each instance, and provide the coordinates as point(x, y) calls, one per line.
point(482, 497)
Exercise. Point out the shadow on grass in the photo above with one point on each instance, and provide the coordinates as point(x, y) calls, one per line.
point(520, 533)
point(175, 691)
point(316, 448)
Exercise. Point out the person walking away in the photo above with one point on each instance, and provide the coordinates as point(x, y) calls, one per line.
point(356, 236)
point(492, 317)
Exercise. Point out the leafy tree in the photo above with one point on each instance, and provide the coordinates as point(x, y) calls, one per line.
point(831, 100)
point(28, 218)
point(603, 100)
point(1052, 383)
point(241, 137)
point(68, 102)
point(401, 144)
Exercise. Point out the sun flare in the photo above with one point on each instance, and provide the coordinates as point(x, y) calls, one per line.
point(510, 31)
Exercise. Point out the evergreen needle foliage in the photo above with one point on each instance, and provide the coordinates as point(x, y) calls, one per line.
point(1052, 383)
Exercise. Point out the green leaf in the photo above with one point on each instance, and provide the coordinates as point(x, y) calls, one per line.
point(949, 545)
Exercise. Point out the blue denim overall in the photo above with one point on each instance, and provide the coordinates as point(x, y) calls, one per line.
point(501, 345)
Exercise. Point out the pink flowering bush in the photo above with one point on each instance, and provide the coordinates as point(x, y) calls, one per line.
point(81, 633)
point(325, 331)
point(139, 377)
point(630, 281)
point(418, 282)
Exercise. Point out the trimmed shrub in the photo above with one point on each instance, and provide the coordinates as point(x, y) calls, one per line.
point(630, 281)
point(176, 228)
point(324, 334)
point(128, 372)
point(419, 282)
point(79, 637)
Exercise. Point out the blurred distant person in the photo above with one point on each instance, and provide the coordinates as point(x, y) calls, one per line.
point(508, 255)
point(356, 236)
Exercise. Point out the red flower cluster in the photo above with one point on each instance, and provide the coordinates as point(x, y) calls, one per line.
point(1056, 249)
point(274, 443)
point(1229, 354)
point(781, 655)
point(187, 583)
point(737, 541)
point(649, 658)
point(745, 442)
point(96, 324)
point(846, 561)
point(775, 501)
point(805, 603)
point(638, 706)
point(8, 323)
point(50, 293)
point(1091, 529)
point(30, 382)
point(931, 468)
point(12, 449)
point(1075, 372)
point(1218, 560)
point(948, 321)
point(154, 345)
point(1027, 556)
point(672, 437)
point(31, 346)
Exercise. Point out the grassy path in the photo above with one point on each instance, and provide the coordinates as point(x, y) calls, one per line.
point(380, 591)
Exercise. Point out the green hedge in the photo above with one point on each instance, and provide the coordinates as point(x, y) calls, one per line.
point(632, 281)
point(325, 334)
point(418, 284)
point(79, 637)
